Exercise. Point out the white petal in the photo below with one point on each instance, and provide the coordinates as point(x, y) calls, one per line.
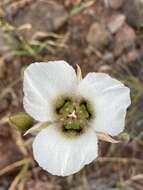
point(61, 155)
point(111, 100)
point(42, 83)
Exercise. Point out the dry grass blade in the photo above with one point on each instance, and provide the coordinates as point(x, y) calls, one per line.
point(19, 177)
point(118, 159)
point(21, 185)
point(14, 165)
point(20, 143)
point(134, 178)
point(78, 8)
point(8, 88)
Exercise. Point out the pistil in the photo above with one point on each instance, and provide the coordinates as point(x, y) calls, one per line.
point(73, 115)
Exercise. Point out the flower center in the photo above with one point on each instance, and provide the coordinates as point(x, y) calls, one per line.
point(73, 115)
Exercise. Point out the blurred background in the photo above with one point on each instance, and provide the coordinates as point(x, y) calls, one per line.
point(100, 36)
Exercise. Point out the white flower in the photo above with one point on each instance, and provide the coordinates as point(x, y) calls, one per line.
point(78, 112)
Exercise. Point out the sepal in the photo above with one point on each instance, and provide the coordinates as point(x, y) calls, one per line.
point(106, 137)
point(36, 128)
point(79, 73)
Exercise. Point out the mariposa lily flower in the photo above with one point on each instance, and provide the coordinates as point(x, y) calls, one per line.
point(72, 114)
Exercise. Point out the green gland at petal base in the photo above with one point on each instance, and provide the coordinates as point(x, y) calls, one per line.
point(21, 121)
point(83, 112)
point(74, 126)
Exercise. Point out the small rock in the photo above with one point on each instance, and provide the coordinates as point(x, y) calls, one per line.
point(133, 10)
point(98, 36)
point(108, 57)
point(105, 68)
point(42, 16)
point(116, 22)
point(124, 39)
point(114, 4)
point(122, 60)
point(128, 35)
point(133, 55)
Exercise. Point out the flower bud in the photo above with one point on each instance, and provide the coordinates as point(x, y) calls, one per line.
point(124, 137)
point(21, 121)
